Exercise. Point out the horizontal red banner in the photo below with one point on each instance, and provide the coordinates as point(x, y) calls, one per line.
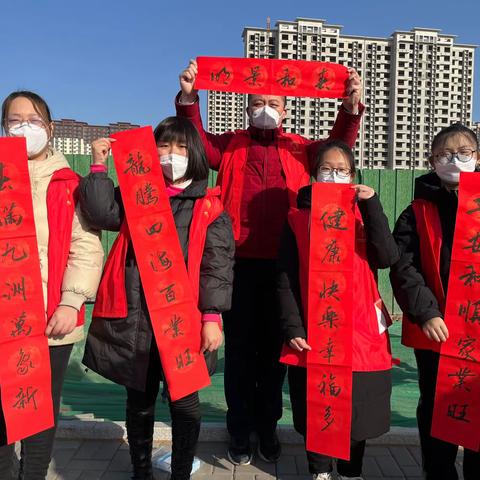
point(295, 78)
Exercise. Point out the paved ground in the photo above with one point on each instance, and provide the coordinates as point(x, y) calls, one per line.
point(109, 460)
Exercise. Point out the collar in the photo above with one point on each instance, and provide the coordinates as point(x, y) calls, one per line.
point(265, 135)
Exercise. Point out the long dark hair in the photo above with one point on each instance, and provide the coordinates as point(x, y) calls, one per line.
point(182, 130)
point(39, 104)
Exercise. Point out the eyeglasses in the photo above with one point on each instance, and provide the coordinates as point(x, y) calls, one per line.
point(341, 172)
point(15, 122)
point(464, 155)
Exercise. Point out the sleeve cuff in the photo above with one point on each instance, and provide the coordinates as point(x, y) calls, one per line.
point(186, 109)
point(98, 168)
point(211, 317)
point(294, 332)
point(72, 299)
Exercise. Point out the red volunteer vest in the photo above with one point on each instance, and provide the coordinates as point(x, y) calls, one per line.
point(429, 229)
point(371, 349)
point(62, 197)
point(294, 159)
point(111, 299)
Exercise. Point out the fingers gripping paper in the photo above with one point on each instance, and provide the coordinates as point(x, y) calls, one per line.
point(25, 381)
point(173, 311)
point(294, 78)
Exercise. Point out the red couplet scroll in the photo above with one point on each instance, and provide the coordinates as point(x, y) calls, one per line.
point(25, 382)
point(173, 310)
point(329, 321)
point(296, 78)
point(456, 416)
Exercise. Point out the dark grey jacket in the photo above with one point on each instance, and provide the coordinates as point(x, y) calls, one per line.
point(119, 349)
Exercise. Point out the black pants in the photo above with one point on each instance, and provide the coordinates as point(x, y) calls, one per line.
point(185, 414)
point(318, 463)
point(438, 456)
point(36, 451)
point(253, 342)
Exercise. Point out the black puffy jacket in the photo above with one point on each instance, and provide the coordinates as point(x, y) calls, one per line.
point(119, 349)
point(411, 292)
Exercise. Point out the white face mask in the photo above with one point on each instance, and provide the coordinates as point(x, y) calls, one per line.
point(174, 166)
point(332, 178)
point(450, 173)
point(37, 137)
point(266, 118)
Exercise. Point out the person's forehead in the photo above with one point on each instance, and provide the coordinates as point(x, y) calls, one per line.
point(457, 140)
point(266, 98)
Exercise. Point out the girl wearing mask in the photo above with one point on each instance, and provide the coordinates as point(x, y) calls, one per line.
point(124, 349)
point(454, 150)
point(70, 245)
point(374, 248)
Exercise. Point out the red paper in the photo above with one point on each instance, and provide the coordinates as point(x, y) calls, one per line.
point(295, 78)
point(173, 311)
point(329, 321)
point(25, 367)
point(456, 416)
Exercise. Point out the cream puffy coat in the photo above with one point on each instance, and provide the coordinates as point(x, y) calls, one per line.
point(85, 260)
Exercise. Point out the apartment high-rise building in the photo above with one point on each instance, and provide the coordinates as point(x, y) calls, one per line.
point(73, 137)
point(414, 83)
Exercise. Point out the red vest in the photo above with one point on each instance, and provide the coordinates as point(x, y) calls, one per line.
point(429, 229)
point(371, 349)
point(62, 196)
point(111, 301)
point(294, 159)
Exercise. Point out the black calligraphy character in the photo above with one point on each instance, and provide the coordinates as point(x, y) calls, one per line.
point(169, 293)
point(322, 80)
point(477, 201)
point(287, 79)
point(136, 166)
point(160, 259)
point(9, 217)
point(10, 251)
point(328, 352)
point(4, 179)
point(333, 389)
point(470, 278)
point(146, 195)
point(329, 292)
point(474, 243)
point(19, 326)
point(16, 289)
point(154, 229)
point(334, 220)
point(24, 363)
point(333, 252)
point(469, 316)
point(25, 397)
point(329, 318)
point(461, 375)
point(458, 412)
point(466, 348)
point(184, 359)
point(221, 76)
point(174, 327)
point(254, 74)
point(328, 418)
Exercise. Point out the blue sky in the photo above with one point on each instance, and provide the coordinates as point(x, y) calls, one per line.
point(104, 61)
